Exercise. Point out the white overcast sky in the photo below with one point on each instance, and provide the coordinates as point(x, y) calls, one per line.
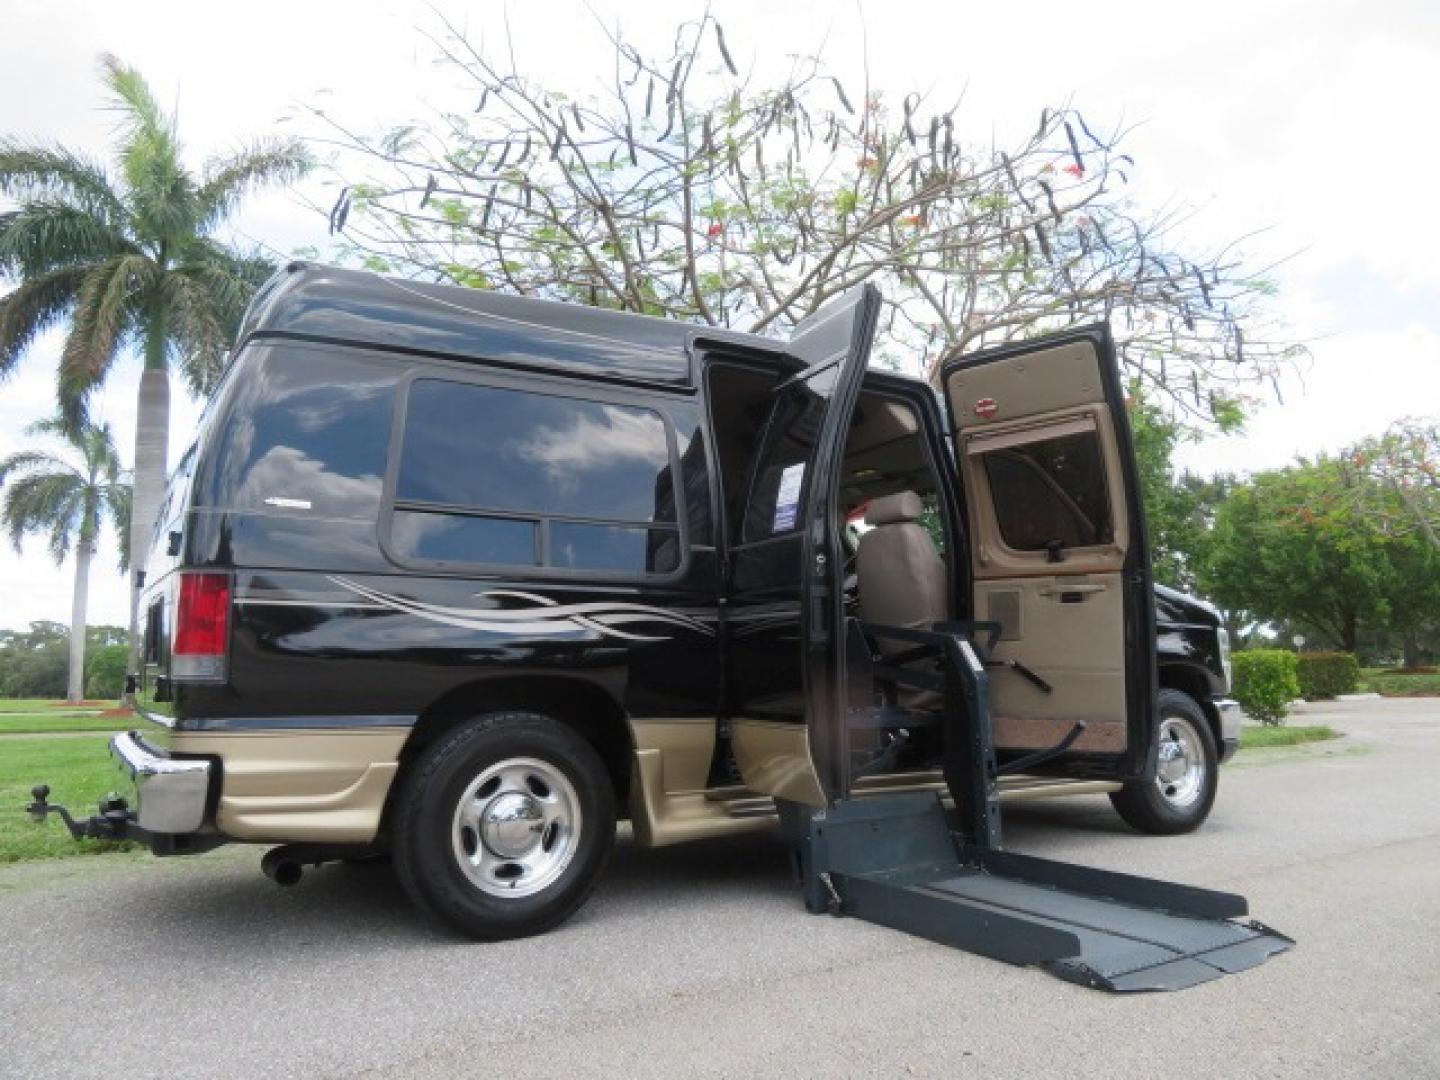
point(1308, 124)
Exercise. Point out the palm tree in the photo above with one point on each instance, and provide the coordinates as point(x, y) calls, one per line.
point(130, 259)
point(48, 494)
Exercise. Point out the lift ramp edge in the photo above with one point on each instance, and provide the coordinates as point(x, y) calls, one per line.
point(1181, 972)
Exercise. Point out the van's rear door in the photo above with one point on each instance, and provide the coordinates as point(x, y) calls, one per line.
point(786, 565)
point(1057, 545)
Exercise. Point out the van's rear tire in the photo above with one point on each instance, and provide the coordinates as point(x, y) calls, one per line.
point(502, 827)
point(1179, 798)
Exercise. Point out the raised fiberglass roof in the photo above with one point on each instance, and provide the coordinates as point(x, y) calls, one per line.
point(327, 303)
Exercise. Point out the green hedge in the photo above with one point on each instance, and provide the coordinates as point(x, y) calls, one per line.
point(1324, 676)
point(1266, 683)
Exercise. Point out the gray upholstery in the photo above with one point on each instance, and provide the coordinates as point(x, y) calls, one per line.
point(901, 576)
point(894, 509)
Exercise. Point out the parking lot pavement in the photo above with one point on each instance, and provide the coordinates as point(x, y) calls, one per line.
point(701, 961)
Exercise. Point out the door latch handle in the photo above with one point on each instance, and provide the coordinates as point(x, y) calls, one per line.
point(1063, 591)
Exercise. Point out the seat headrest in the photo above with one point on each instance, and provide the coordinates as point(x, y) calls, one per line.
point(893, 509)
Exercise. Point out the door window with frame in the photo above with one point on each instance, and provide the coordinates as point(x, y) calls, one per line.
point(779, 483)
point(1051, 491)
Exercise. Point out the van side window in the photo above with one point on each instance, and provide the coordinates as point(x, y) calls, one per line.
point(296, 442)
point(489, 475)
point(1051, 490)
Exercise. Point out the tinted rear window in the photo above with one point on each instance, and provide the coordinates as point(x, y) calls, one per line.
point(303, 431)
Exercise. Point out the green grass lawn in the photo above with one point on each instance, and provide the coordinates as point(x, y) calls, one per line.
point(1401, 683)
point(79, 772)
point(1253, 737)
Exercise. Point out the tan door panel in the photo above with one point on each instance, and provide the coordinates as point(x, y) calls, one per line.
point(1062, 611)
point(1062, 629)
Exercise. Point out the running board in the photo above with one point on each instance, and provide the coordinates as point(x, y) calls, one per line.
point(895, 862)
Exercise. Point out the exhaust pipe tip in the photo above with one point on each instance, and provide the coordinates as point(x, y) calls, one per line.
point(280, 867)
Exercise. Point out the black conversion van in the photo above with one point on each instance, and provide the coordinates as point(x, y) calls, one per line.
point(468, 577)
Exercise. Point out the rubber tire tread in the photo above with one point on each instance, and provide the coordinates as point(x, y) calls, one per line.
point(422, 816)
point(1140, 803)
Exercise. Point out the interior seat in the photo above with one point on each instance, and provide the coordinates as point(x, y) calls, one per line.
point(901, 577)
point(900, 574)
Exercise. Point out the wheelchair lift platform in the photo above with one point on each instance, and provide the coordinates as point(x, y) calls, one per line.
point(895, 860)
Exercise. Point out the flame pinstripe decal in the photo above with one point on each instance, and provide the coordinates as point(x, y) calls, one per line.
point(541, 616)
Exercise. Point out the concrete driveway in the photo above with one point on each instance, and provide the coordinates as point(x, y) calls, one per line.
point(701, 960)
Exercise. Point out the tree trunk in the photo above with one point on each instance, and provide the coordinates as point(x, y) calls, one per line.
point(1349, 632)
point(1412, 649)
point(152, 436)
point(75, 688)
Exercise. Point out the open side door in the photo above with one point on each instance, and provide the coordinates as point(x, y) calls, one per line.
point(787, 728)
point(1058, 550)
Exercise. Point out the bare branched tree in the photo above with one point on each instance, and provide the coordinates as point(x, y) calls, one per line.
point(1404, 463)
point(682, 189)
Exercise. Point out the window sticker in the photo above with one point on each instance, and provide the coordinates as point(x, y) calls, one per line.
point(787, 500)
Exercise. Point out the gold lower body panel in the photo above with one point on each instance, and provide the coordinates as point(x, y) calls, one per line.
point(669, 803)
point(325, 786)
point(330, 786)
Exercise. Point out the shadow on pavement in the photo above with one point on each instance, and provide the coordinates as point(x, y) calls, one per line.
point(336, 905)
point(738, 864)
point(1050, 819)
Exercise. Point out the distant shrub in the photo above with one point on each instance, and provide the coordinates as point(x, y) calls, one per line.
point(1324, 676)
point(1266, 683)
point(105, 671)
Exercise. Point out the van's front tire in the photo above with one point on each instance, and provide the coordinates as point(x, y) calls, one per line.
point(1179, 798)
point(502, 827)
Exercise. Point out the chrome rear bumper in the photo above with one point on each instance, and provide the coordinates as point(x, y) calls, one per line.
point(170, 794)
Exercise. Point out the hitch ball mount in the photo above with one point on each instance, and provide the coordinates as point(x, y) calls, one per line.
point(115, 821)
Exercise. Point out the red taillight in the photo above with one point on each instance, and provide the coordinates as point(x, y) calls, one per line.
point(202, 627)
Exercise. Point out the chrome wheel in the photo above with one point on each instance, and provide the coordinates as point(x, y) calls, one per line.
point(1180, 772)
point(516, 827)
